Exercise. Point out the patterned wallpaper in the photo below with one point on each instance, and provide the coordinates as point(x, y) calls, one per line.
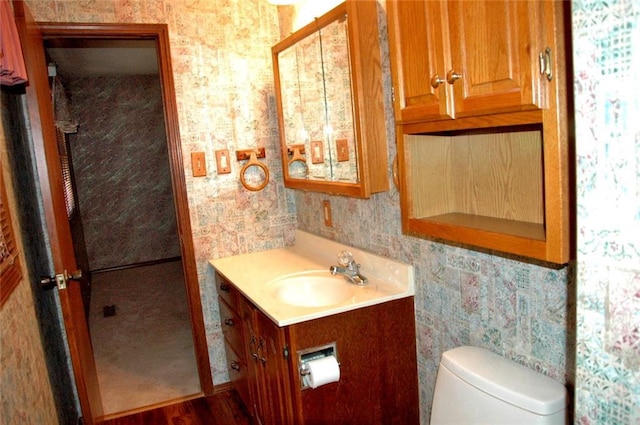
point(607, 61)
point(121, 168)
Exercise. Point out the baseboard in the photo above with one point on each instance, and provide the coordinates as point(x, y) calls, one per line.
point(221, 388)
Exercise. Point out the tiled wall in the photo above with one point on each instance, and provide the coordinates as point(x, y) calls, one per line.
point(121, 168)
point(606, 38)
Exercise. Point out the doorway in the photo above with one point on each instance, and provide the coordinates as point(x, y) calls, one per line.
point(166, 257)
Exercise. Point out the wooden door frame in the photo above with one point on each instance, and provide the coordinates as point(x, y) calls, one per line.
point(159, 33)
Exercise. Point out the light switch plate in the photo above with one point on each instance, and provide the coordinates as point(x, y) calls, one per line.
point(342, 146)
point(223, 165)
point(198, 164)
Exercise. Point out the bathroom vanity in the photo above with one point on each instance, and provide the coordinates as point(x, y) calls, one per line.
point(282, 314)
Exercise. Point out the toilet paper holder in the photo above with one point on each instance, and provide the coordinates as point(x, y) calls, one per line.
point(314, 353)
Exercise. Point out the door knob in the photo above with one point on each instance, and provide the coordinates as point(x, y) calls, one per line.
point(452, 76)
point(59, 280)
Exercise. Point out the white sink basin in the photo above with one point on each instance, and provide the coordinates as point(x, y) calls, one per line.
point(310, 289)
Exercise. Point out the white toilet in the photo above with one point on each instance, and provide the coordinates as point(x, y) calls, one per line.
point(476, 386)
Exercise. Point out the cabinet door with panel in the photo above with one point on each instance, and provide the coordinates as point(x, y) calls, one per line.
point(268, 374)
point(494, 56)
point(274, 364)
point(456, 58)
point(418, 36)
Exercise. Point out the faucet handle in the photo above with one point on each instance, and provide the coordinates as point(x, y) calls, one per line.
point(345, 258)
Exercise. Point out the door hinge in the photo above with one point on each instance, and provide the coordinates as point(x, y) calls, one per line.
point(546, 65)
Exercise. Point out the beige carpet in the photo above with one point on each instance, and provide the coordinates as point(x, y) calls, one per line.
point(144, 354)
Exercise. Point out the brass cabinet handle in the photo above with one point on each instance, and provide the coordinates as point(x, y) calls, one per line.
point(229, 322)
point(452, 76)
point(224, 287)
point(436, 81)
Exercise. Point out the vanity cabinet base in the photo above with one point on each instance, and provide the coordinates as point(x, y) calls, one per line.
point(375, 347)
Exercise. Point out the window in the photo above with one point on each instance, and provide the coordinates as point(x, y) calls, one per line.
point(9, 266)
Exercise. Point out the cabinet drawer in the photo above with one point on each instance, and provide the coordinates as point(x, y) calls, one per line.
point(238, 374)
point(227, 291)
point(231, 326)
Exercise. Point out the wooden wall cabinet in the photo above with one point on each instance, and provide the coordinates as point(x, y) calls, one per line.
point(454, 59)
point(375, 347)
point(481, 115)
point(342, 114)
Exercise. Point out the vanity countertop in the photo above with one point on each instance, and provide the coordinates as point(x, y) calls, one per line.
point(252, 274)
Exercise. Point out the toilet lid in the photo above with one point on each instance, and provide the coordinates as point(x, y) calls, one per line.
point(506, 380)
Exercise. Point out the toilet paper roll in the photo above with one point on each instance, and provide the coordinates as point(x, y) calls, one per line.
point(322, 371)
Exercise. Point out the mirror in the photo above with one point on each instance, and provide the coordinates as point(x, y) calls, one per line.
point(317, 78)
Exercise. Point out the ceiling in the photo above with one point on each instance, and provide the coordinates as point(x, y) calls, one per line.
point(101, 57)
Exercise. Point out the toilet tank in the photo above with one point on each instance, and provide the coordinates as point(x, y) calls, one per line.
point(477, 386)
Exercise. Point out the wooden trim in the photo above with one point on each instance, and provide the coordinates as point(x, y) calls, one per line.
point(222, 388)
point(160, 33)
point(153, 406)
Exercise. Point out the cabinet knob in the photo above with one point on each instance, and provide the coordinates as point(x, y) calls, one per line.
point(229, 322)
point(224, 287)
point(452, 76)
point(436, 81)
point(235, 366)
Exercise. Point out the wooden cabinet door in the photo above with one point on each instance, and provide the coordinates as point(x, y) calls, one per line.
point(420, 57)
point(494, 50)
point(275, 374)
point(248, 317)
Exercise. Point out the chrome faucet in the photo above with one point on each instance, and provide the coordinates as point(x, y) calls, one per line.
point(349, 269)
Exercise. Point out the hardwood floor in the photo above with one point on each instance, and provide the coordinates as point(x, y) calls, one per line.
point(222, 408)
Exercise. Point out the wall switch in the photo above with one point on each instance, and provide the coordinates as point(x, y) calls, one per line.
point(342, 146)
point(223, 164)
point(198, 164)
point(326, 209)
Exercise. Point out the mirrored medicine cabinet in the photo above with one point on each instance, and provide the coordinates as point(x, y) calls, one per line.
point(330, 107)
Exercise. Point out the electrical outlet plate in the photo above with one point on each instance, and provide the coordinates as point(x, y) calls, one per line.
point(326, 209)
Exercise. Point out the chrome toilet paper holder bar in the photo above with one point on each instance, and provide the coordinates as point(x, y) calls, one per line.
point(314, 353)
